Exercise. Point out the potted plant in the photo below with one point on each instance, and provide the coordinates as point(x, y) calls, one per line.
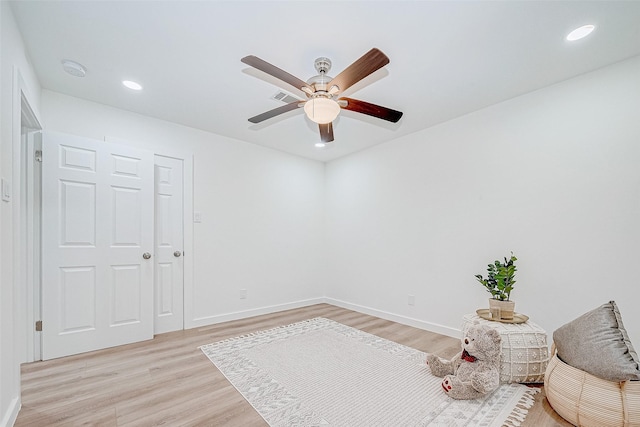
point(499, 283)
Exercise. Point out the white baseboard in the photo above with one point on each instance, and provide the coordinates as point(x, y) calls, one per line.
point(416, 323)
point(211, 320)
point(10, 417)
point(409, 321)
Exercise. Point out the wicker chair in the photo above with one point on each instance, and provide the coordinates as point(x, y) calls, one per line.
point(586, 400)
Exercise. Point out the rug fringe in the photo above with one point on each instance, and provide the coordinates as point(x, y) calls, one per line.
point(519, 413)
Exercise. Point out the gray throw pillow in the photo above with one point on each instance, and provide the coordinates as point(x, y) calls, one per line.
point(597, 343)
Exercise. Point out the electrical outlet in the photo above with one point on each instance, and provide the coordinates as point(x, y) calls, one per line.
point(411, 299)
point(243, 294)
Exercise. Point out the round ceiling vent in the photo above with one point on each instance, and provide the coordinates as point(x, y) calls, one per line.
point(74, 68)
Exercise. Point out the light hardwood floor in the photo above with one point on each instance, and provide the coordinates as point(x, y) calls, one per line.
point(168, 381)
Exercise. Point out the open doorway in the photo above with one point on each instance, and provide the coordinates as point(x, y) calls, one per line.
point(26, 226)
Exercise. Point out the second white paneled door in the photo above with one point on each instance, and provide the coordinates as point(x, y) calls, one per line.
point(97, 240)
point(169, 245)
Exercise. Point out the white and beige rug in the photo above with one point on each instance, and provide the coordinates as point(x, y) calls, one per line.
point(323, 373)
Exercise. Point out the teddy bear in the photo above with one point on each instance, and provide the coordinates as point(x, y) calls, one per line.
point(475, 371)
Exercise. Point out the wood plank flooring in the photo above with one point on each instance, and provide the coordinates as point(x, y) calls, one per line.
point(168, 381)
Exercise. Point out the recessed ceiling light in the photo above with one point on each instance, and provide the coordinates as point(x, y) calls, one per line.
point(74, 68)
point(132, 85)
point(320, 145)
point(580, 32)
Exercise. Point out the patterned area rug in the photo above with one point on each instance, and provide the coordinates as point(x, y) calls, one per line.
point(323, 373)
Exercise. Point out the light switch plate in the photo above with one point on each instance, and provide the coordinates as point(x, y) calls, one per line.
point(6, 190)
point(197, 217)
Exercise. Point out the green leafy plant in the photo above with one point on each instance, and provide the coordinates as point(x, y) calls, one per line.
point(500, 278)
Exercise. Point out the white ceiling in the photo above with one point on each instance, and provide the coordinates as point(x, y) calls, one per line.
point(448, 58)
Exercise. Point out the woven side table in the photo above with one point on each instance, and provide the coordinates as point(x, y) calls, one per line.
point(525, 353)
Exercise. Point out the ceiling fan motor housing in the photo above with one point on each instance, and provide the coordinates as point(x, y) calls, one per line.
point(319, 82)
point(323, 65)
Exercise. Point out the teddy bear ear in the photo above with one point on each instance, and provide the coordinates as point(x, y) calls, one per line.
point(495, 335)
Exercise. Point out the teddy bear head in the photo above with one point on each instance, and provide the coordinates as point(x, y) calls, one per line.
point(482, 342)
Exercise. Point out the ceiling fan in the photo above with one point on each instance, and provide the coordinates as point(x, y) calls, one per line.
point(321, 105)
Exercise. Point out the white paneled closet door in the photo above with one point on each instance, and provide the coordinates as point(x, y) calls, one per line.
point(169, 244)
point(97, 241)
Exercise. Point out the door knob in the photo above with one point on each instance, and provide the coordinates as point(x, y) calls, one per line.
point(177, 254)
point(146, 255)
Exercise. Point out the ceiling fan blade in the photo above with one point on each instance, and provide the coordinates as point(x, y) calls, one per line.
point(326, 132)
point(276, 72)
point(367, 64)
point(373, 110)
point(275, 112)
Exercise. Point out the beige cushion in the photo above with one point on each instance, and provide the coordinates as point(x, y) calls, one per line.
point(597, 343)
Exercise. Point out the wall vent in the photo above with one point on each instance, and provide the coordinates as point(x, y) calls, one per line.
point(284, 97)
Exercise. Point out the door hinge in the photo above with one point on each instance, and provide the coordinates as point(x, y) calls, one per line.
point(38, 325)
point(38, 156)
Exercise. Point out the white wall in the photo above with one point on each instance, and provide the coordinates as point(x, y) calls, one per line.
point(553, 176)
point(262, 210)
point(16, 78)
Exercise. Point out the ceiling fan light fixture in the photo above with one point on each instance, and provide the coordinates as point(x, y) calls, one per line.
point(321, 110)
